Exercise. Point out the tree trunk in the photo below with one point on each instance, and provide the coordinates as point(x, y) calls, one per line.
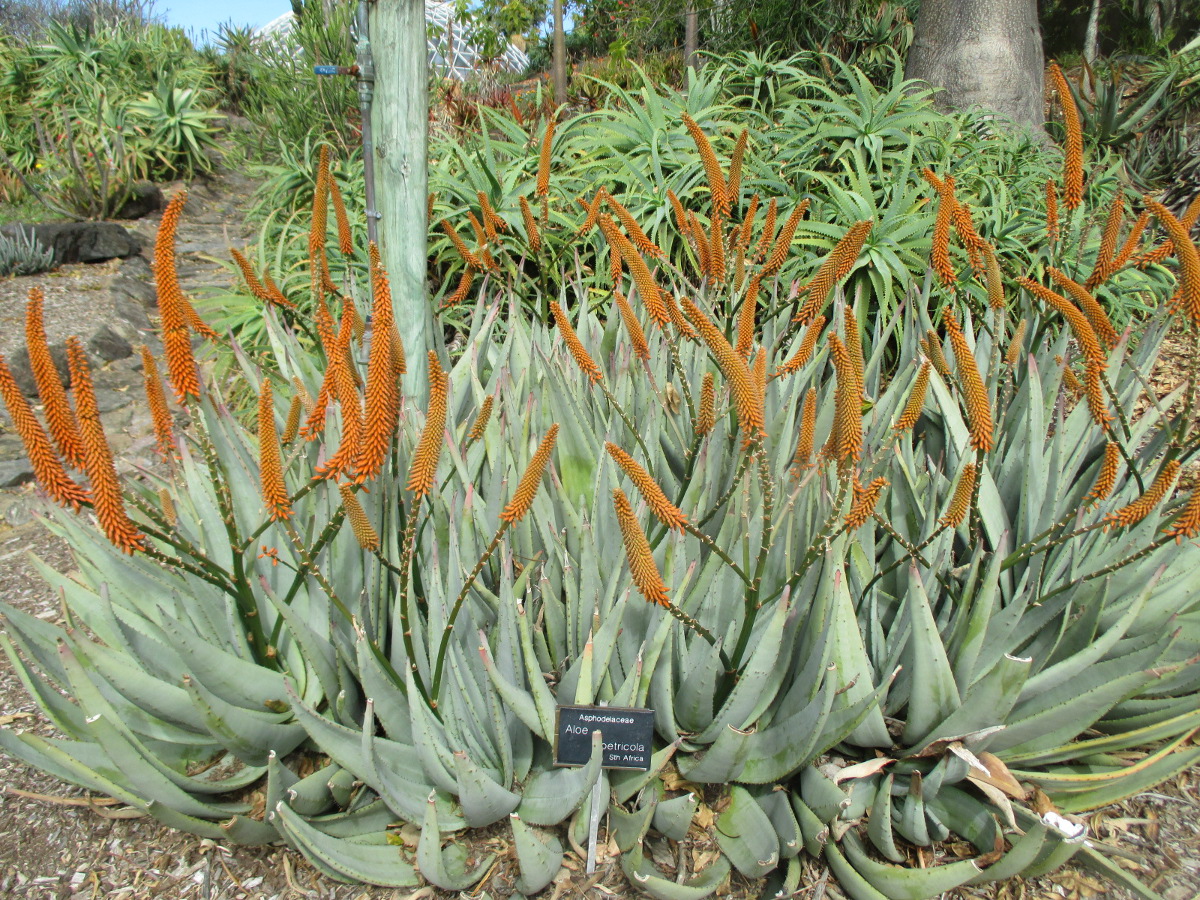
point(1091, 39)
point(985, 53)
point(400, 122)
point(558, 63)
point(691, 35)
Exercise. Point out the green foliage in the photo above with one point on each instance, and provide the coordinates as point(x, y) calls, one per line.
point(853, 652)
point(21, 254)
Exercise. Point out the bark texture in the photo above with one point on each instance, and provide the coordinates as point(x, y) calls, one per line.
point(400, 120)
point(985, 53)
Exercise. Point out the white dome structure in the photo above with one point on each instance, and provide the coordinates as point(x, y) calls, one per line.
point(452, 52)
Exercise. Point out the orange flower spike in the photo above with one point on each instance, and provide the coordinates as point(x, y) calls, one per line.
point(1051, 211)
point(423, 468)
point(47, 468)
point(808, 427)
point(664, 510)
point(481, 236)
point(531, 229)
point(274, 295)
point(636, 236)
point(939, 254)
point(702, 252)
point(685, 330)
point(743, 238)
point(853, 340)
point(195, 323)
point(257, 290)
point(578, 352)
point(960, 503)
point(156, 400)
point(1189, 260)
point(1132, 240)
point(716, 248)
point(460, 292)
point(717, 187)
point(932, 346)
point(593, 211)
point(479, 426)
point(1014, 347)
point(979, 410)
point(783, 243)
point(172, 306)
point(531, 480)
point(364, 531)
point(319, 226)
point(745, 326)
point(916, 400)
point(1080, 326)
point(1106, 480)
point(735, 165)
point(292, 426)
point(637, 336)
point(759, 374)
point(399, 362)
point(835, 267)
point(646, 577)
point(382, 391)
point(1167, 247)
point(808, 344)
point(1187, 525)
point(1093, 389)
point(681, 219)
point(98, 459)
point(706, 416)
point(1073, 156)
point(647, 289)
point(1106, 254)
point(1089, 306)
point(1145, 504)
point(543, 172)
point(746, 398)
point(274, 487)
point(768, 233)
point(863, 505)
point(469, 258)
point(993, 278)
point(490, 217)
point(847, 402)
point(345, 237)
point(60, 418)
point(965, 226)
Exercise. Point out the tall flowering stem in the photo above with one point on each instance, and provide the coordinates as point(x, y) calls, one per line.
point(274, 488)
point(98, 459)
point(979, 410)
point(156, 400)
point(172, 306)
point(383, 392)
point(1073, 153)
point(423, 468)
point(60, 418)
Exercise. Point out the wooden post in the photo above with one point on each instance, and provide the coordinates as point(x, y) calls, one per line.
point(400, 121)
point(558, 58)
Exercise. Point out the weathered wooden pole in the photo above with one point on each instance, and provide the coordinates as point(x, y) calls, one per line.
point(400, 125)
point(558, 57)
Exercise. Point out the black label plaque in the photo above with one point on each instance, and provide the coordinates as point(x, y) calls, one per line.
point(628, 736)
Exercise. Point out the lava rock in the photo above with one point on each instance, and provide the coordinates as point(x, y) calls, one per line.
point(144, 199)
point(22, 371)
point(81, 241)
point(136, 281)
point(108, 345)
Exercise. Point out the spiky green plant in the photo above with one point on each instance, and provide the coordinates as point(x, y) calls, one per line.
point(885, 594)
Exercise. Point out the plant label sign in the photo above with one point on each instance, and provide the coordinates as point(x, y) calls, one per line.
point(628, 736)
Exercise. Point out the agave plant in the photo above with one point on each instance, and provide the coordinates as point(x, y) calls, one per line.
point(877, 577)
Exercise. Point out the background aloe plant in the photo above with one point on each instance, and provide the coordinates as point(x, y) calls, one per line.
point(888, 591)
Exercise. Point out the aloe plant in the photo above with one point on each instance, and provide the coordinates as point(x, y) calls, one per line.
point(870, 596)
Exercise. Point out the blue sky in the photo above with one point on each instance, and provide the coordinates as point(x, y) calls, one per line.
point(206, 15)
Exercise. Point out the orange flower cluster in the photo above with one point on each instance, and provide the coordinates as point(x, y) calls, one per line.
point(767, 237)
point(716, 248)
point(1107, 251)
point(582, 358)
point(97, 457)
point(481, 420)
point(593, 209)
point(543, 172)
point(1051, 212)
point(460, 293)
point(783, 243)
point(995, 283)
point(735, 165)
point(804, 352)
point(960, 503)
point(47, 468)
point(916, 400)
point(835, 267)
point(745, 321)
point(808, 426)
point(979, 410)
point(1073, 159)
point(863, 505)
point(60, 418)
point(339, 384)
point(156, 399)
point(1080, 326)
point(637, 336)
point(637, 549)
point(1167, 247)
point(469, 258)
point(364, 531)
point(939, 254)
point(173, 307)
point(681, 219)
point(1188, 523)
point(292, 425)
point(676, 316)
point(747, 400)
point(1089, 306)
point(345, 238)
point(531, 480)
point(491, 221)
point(1106, 480)
point(274, 487)
point(931, 346)
point(382, 390)
point(1014, 347)
point(717, 187)
point(632, 228)
point(268, 292)
point(706, 416)
point(423, 468)
point(847, 438)
point(647, 289)
point(1188, 295)
point(1145, 504)
point(666, 511)
point(531, 229)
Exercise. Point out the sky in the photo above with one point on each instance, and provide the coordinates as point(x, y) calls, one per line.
point(205, 15)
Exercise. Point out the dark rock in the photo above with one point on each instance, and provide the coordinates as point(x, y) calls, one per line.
point(14, 465)
point(81, 241)
point(107, 400)
point(145, 199)
point(23, 373)
point(131, 311)
point(108, 345)
point(135, 280)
